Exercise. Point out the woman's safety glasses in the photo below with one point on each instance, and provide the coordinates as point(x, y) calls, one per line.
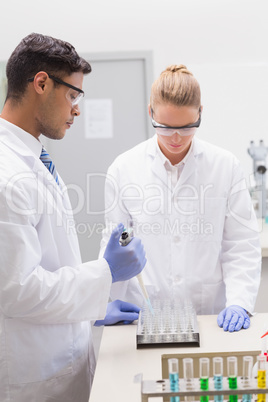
point(73, 95)
point(184, 131)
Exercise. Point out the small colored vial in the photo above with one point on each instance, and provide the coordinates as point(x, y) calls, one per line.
point(204, 377)
point(173, 370)
point(247, 376)
point(188, 374)
point(218, 376)
point(261, 376)
point(232, 376)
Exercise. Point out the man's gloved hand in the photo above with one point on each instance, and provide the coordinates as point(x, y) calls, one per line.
point(233, 318)
point(124, 262)
point(119, 311)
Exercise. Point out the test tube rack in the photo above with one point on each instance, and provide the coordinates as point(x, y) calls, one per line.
point(161, 388)
point(173, 324)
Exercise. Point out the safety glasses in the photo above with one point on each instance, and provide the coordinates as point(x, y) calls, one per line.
point(73, 95)
point(184, 131)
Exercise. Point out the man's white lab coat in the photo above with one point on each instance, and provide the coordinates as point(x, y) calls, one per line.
point(200, 237)
point(47, 296)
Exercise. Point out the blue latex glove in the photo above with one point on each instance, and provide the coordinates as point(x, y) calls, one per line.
point(124, 262)
point(119, 311)
point(233, 318)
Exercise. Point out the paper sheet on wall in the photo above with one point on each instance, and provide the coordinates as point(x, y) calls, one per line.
point(98, 118)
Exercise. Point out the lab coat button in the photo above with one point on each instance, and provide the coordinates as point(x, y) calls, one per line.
point(177, 279)
point(177, 238)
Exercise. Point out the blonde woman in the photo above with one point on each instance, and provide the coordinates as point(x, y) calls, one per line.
point(187, 200)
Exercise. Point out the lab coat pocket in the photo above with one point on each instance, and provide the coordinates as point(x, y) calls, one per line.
point(37, 352)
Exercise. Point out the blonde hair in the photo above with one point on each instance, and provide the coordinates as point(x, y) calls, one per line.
point(177, 86)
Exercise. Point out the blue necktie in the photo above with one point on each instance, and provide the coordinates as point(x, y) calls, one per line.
point(47, 161)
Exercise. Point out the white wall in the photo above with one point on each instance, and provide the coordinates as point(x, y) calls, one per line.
point(224, 43)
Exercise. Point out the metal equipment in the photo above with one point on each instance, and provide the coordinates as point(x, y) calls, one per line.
point(161, 388)
point(259, 154)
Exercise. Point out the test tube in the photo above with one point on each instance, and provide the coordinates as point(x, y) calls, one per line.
point(173, 370)
point(247, 376)
point(261, 359)
point(204, 377)
point(232, 376)
point(188, 374)
point(218, 376)
point(263, 346)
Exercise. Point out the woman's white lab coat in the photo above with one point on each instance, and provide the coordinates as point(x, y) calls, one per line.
point(200, 237)
point(47, 296)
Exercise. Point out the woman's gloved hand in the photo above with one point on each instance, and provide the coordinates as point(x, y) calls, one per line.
point(233, 318)
point(119, 311)
point(124, 262)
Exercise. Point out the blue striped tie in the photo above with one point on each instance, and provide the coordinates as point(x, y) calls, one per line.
point(47, 161)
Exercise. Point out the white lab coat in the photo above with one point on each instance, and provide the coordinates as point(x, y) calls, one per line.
point(200, 237)
point(47, 296)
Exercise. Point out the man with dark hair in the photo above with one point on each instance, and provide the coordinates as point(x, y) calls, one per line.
point(41, 53)
point(48, 297)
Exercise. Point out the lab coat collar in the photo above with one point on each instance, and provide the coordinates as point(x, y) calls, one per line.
point(29, 149)
point(166, 162)
point(190, 162)
point(19, 140)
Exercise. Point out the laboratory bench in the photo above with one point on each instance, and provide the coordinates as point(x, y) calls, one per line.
point(120, 361)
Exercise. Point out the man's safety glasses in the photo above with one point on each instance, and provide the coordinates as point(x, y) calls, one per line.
point(74, 95)
point(184, 131)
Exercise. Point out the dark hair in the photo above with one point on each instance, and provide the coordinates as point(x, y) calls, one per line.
point(36, 53)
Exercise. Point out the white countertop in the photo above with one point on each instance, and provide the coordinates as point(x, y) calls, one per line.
point(119, 360)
